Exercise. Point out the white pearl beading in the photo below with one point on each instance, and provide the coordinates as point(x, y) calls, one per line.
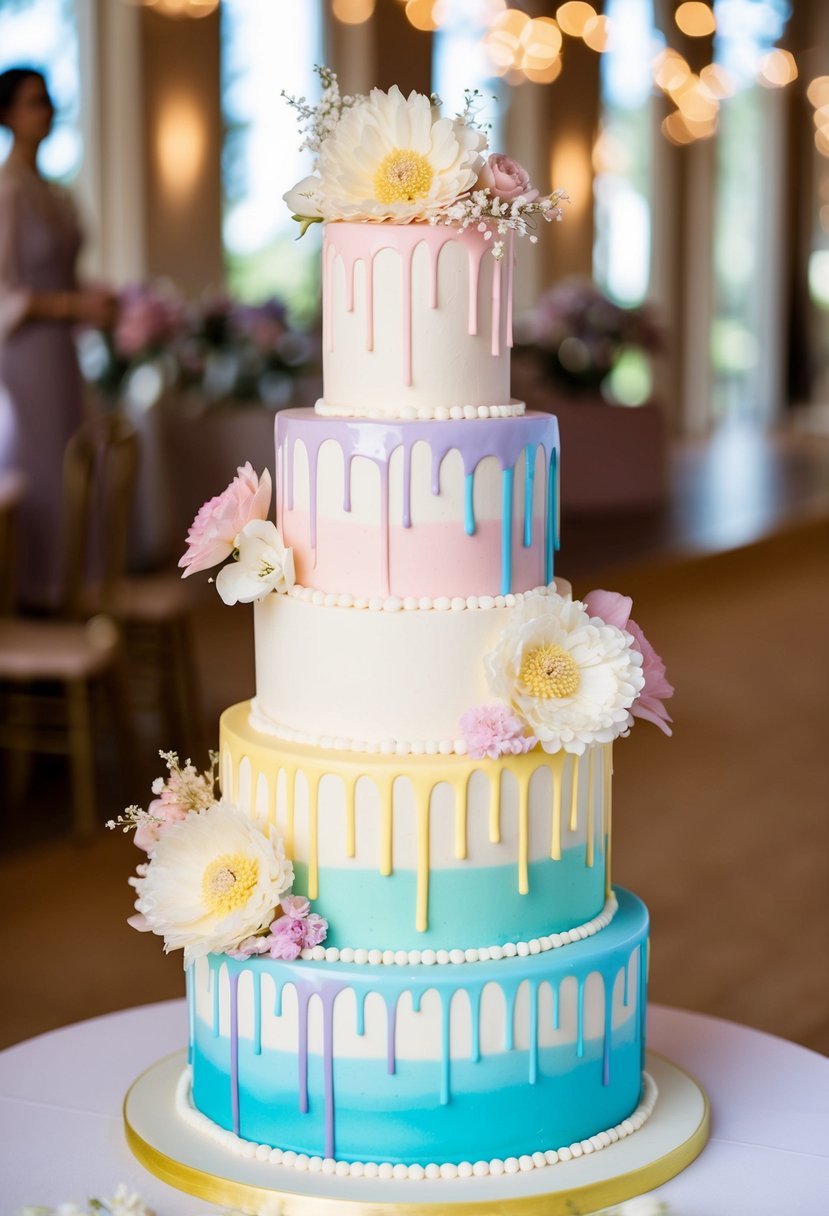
point(386, 1171)
point(411, 603)
point(457, 957)
point(424, 413)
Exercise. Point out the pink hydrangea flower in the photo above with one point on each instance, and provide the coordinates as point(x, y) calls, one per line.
point(494, 730)
point(164, 810)
point(297, 929)
point(213, 532)
point(614, 609)
point(506, 179)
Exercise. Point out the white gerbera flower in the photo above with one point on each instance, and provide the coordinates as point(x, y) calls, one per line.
point(215, 878)
point(572, 678)
point(392, 157)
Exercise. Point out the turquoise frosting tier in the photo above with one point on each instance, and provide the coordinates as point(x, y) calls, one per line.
point(363, 906)
point(561, 1061)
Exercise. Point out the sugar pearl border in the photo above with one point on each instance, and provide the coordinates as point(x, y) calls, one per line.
point(425, 413)
point(484, 954)
point(426, 603)
point(414, 1173)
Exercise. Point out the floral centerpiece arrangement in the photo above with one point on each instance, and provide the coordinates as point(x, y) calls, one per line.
point(581, 336)
point(217, 348)
point(384, 157)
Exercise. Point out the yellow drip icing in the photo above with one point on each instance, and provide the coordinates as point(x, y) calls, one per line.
point(350, 816)
point(424, 799)
point(557, 766)
point(574, 794)
point(272, 758)
point(523, 837)
point(591, 810)
point(495, 806)
point(608, 813)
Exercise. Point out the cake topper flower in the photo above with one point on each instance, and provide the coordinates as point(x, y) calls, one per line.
point(234, 524)
point(571, 678)
point(614, 609)
point(386, 157)
point(214, 879)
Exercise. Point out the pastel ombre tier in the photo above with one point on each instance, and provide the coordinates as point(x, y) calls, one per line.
point(418, 509)
point(417, 322)
point(432, 853)
point(414, 1064)
point(392, 679)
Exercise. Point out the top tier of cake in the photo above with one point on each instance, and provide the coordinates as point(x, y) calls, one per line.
point(417, 322)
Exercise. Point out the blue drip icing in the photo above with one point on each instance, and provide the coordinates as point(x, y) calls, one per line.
point(533, 1048)
point(508, 476)
point(509, 1019)
point(445, 1010)
point(190, 981)
point(361, 1012)
point(550, 542)
point(475, 1011)
point(529, 483)
point(277, 1004)
point(257, 1013)
point(556, 991)
point(580, 1031)
point(213, 982)
point(469, 504)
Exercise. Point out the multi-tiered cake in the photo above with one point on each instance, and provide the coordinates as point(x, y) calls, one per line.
point(452, 983)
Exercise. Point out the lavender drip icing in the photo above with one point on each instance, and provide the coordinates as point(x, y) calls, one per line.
point(503, 438)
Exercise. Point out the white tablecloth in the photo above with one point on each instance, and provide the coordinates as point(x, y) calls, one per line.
point(61, 1134)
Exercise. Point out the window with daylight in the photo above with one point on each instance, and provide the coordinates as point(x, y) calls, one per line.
point(460, 61)
point(267, 47)
point(43, 34)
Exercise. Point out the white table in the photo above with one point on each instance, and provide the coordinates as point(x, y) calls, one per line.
point(61, 1134)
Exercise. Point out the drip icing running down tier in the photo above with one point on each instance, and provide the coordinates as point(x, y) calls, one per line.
point(417, 322)
point(414, 509)
point(406, 1064)
point(431, 852)
point(362, 680)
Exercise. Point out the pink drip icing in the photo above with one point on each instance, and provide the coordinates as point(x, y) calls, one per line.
point(362, 242)
point(510, 269)
point(496, 307)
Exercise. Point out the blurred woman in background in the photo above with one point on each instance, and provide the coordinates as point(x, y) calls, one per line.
point(41, 397)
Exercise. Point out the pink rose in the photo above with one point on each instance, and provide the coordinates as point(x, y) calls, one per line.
point(163, 812)
point(506, 179)
point(213, 532)
point(614, 609)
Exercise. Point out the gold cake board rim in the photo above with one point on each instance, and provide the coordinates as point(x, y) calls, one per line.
point(583, 1197)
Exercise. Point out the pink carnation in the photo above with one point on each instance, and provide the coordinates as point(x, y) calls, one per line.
point(614, 609)
point(297, 929)
point(213, 532)
point(164, 810)
point(506, 179)
point(493, 730)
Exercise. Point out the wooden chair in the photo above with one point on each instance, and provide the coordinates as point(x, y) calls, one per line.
point(49, 667)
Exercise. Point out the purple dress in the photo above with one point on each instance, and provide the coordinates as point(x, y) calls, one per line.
point(41, 393)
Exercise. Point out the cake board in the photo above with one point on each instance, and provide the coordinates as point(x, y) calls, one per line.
point(670, 1140)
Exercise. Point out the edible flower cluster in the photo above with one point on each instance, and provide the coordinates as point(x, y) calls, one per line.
point(568, 674)
point(387, 157)
point(215, 880)
point(234, 525)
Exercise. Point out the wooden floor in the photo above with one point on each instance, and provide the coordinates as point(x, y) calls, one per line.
point(723, 829)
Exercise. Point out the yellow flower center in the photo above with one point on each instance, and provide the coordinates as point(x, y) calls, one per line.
point(549, 671)
point(228, 883)
point(403, 175)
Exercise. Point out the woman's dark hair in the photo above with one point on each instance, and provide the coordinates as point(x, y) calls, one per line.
point(10, 82)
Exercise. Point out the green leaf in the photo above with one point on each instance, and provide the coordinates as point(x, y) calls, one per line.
point(305, 222)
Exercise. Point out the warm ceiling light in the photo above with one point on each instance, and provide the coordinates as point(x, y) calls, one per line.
point(574, 16)
point(571, 162)
point(675, 130)
point(695, 19)
point(181, 144)
point(818, 91)
point(717, 81)
point(821, 117)
point(182, 8)
point(596, 33)
point(513, 22)
point(777, 69)
point(541, 40)
point(670, 71)
point(545, 75)
point(353, 12)
point(421, 14)
point(696, 107)
point(822, 142)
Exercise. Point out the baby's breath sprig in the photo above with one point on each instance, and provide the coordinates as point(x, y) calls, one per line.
point(494, 218)
point(473, 102)
point(316, 122)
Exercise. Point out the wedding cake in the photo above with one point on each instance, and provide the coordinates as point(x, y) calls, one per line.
point(405, 958)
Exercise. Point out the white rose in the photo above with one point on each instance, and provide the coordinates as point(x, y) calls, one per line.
point(263, 565)
point(305, 198)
